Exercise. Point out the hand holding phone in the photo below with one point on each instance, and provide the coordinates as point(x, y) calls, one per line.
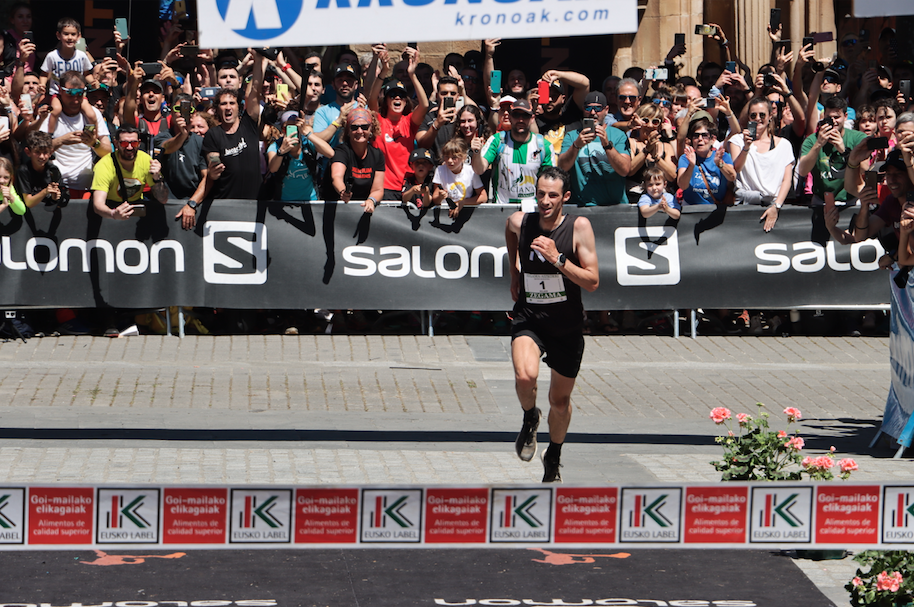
point(774, 20)
point(495, 82)
point(543, 90)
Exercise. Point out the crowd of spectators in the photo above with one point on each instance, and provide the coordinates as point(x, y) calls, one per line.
point(290, 124)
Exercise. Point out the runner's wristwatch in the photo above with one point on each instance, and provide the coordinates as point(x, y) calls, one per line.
point(560, 262)
point(192, 204)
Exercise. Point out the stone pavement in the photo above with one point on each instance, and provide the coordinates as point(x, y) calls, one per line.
point(413, 409)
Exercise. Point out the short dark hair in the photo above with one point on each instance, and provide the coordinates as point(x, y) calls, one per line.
point(835, 103)
point(448, 80)
point(702, 122)
point(68, 22)
point(38, 141)
point(126, 130)
point(555, 173)
point(70, 76)
point(236, 93)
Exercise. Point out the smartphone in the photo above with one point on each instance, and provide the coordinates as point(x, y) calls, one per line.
point(269, 53)
point(661, 73)
point(213, 159)
point(283, 89)
point(4, 123)
point(151, 69)
point(808, 40)
point(703, 102)
point(185, 110)
point(774, 19)
point(180, 9)
point(29, 35)
point(871, 179)
point(209, 92)
point(678, 38)
point(414, 45)
point(291, 130)
point(156, 153)
point(480, 129)
point(89, 128)
point(904, 87)
point(753, 129)
point(495, 82)
point(347, 182)
point(543, 90)
point(120, 24)
point(820, 37)
point(26, 100)
point(589, 124)
point(730, 66)
point(877, 143)
point(649, 74)
point(785, 44)
point(139, 210)
point(448, 103)
point(705, 30)
point(190, 51)
point(81, 45)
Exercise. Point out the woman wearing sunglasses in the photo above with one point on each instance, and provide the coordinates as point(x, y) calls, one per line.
point(704, 175)
point(648, 149)
point(764, 163)
point(357, 168)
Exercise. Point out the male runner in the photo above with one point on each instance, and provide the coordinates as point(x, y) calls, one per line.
point(552, 256)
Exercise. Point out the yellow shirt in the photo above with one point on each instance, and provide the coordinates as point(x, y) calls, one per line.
point(105, 178)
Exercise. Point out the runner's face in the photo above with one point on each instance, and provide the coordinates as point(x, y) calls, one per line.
point(549, 197)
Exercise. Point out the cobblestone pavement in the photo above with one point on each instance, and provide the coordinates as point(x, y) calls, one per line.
point(412, 409)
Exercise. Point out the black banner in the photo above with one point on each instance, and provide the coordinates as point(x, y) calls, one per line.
point(273, 255)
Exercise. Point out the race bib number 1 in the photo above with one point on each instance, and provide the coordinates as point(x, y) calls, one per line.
point(545, 288)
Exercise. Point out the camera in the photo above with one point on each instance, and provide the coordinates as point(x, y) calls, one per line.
point(769, 79)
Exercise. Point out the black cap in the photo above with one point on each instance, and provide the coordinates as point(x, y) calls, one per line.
point(394, 85)
point(156, 83)
point(420, 154)
point(895, 159)
point(557, 88)
point(522, 105)
point(344, 69)
point(595, 98)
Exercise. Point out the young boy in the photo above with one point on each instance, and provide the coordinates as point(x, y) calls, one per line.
point(457, 182)
point(38, 179)
point(66, 57)
point(655, 197)
point(417, 186)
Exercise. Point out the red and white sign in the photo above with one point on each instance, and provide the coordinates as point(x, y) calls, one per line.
point(195, 516)
point(847, 514)
point(716, 515)
point(586, 515)
point(61, 515)
point(326, 516)
point(456, 516)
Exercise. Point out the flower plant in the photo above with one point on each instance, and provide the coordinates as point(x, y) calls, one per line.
point(758, 453)
point(887, 582)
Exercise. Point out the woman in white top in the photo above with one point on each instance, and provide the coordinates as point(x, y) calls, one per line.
point(764, 164)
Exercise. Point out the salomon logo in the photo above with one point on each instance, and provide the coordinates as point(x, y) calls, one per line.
point(647, 257)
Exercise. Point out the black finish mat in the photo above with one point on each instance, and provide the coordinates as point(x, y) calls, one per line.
point(406, 578)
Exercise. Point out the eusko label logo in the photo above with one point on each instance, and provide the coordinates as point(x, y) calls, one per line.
point(259, 19)
point(521, 515)
point(391, 515)
point(898, 515)
point(128, 516)
point(651, 515)
point(647, 256)
point(781, 515)
point(12, 516)
point(261, 516)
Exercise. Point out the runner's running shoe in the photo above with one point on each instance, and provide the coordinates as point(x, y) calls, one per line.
point(526, 439)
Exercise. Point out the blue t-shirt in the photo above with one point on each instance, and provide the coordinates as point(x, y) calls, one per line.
point(697, 192)
point(647, 201)
point(324, 115)
point(595, 182)
point(298, 183)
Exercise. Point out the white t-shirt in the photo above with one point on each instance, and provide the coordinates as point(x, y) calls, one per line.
point(75, 161)
point(56, 66)
point(460, 186)
point(763, 172)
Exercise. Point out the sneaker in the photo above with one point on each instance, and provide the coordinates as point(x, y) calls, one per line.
point(526, 439)
point(74, 327)
point(551, 472)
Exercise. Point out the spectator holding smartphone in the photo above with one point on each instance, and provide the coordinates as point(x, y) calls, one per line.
point(120, 177)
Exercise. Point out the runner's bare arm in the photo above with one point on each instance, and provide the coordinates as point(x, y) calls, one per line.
point(512, 239)
point(587, 274)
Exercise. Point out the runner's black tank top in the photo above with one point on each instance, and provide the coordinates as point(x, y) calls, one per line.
point(547, 296)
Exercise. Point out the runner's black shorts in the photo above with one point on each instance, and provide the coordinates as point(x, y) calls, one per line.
point(563, 352)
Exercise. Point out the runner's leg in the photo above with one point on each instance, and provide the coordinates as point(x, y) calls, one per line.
point(526, 357)
point(560, 388)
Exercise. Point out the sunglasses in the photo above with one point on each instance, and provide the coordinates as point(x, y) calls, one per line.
point(73, 92)
point(758, 115)
point(654, 121)
point(470, 79)
point(177, 109)
point(662, 102)
point(129, 144)
point(594, 108)
point(628, 97)
point(359, 127)
point(849, 42)
point(520, 115)
point(311, 66)
point(705, 135)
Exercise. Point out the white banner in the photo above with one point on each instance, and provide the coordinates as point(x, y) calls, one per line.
point(882, 8)
point(260, 23)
